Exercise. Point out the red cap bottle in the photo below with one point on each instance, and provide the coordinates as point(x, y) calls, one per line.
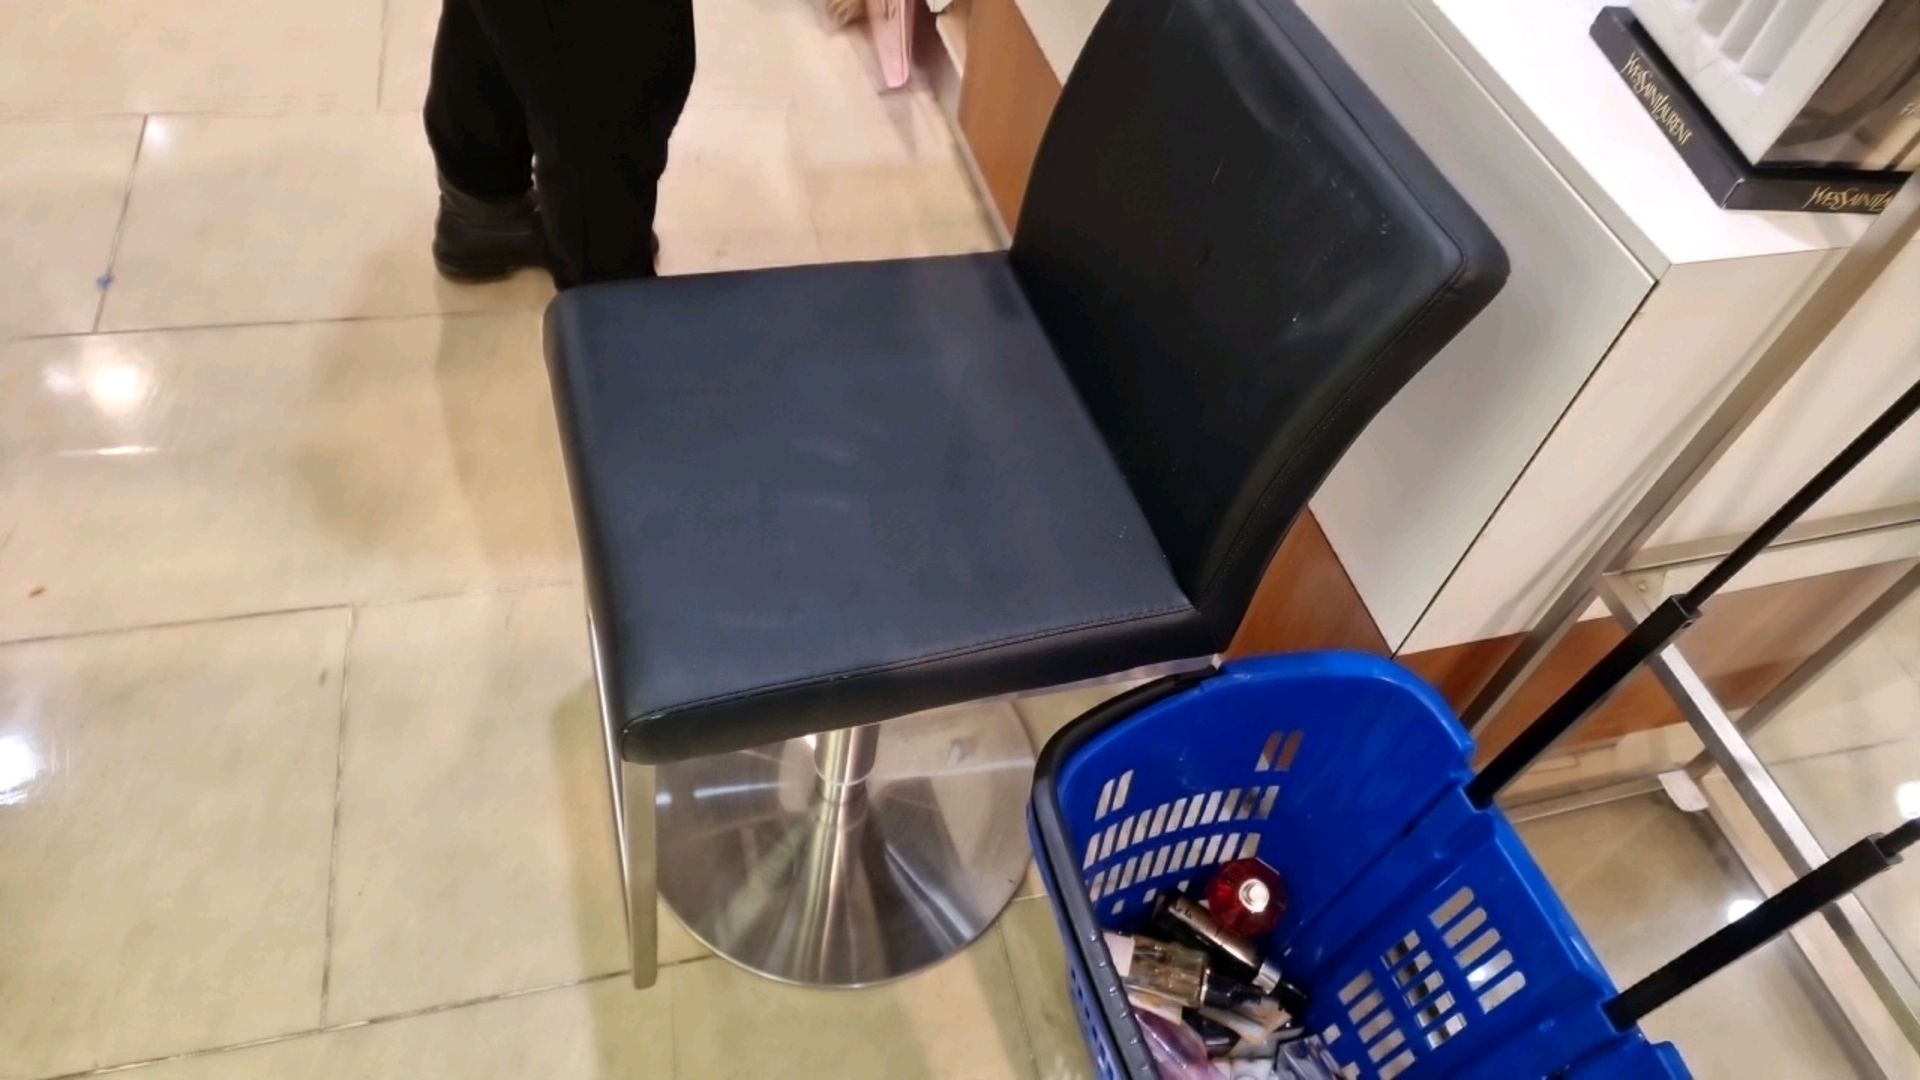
point(1247, 898)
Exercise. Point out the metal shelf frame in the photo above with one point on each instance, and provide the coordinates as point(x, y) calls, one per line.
point(1862, 979)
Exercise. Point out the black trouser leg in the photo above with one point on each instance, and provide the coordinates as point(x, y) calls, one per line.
point(602, 83)
point(476, 123)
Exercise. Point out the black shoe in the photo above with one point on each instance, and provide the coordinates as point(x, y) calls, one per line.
point(477, 239)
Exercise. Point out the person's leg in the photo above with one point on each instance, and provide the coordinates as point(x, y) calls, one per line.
point(603, 82)
point(487, 226)
point(476, 123)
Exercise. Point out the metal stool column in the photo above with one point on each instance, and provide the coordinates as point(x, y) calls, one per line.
point(851, 857)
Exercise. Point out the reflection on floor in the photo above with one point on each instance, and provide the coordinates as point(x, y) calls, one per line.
point(1645, 880)
point(1847, 754)
point(298, 765)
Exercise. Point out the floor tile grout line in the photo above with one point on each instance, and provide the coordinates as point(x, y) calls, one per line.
point(85, 116)
point(333, 109)
point(375, 1021)
point(328, 109)
point(1840, 751)
point(1020, 1006)
point(301, 609)
point(350, 1025)
point(495, 590)
point(333, 836)
point(399, 316)
point(673, 1032)
point(380, 71)
point(105, 282)
point(802, 173)
point(174, 624)
point(1907, 663)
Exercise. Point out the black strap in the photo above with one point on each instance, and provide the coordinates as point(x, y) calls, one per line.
point(1826, 883)
point(1676, 613)
point(1587, 693)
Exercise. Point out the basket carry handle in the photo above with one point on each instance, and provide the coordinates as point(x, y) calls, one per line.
point(1822, 885)
point(1675, 614)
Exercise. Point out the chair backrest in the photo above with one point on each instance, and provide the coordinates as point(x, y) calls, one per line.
point(1240, 258)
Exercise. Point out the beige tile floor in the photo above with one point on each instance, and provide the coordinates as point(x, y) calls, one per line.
point(297, 775)
point(1645, 882)
point(1847, 755)
point(298, 772)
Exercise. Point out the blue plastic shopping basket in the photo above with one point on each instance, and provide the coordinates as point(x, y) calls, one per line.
point(1430, 941)
point(1426, 936)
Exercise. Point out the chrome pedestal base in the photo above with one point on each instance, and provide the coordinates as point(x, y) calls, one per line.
point(853, 857)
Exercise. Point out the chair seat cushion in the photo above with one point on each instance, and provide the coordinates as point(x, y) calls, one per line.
point(823, 496)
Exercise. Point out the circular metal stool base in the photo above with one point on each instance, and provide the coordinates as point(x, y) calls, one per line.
point(848, 884)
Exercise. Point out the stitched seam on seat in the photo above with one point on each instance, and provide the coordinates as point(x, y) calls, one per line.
point(1289, 470)
point(900, 665)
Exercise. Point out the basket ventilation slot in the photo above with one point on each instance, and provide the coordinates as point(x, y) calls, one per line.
point(1182, 835)
point(1391, 1040)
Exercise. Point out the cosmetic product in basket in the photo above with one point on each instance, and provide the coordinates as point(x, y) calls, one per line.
point(1178, 973)
point(1218, 1038)
point(1178, 1053)
point(1179, 917)
point(1174, 972)
point(1249, 1069)
point(1201, 1022)
point(1306, 1059)
point(1146, 1002)
point(1246, 897)
point(1260, 1022)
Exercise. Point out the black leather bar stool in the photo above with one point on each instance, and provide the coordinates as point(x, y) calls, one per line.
point(817, 502)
